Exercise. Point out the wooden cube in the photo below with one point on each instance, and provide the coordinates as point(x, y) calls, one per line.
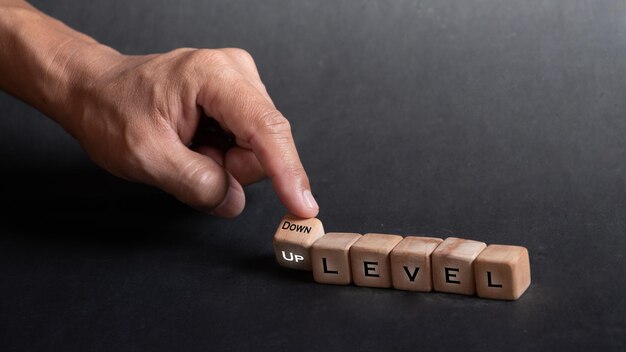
point(293, 240)
point(502, 272)
point(453, 265)
point(330, 258)
point(410, 263)
point(369, 259)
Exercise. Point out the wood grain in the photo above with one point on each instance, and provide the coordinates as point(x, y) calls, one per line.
point(411, 263)
point(330, 258)
point(369, 259)
point(502, 272)
point(453, 269)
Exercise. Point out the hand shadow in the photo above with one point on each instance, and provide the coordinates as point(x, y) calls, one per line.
point(84, 203)
point(84, 206)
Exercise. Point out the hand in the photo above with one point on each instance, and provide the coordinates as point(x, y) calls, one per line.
point(139, 119)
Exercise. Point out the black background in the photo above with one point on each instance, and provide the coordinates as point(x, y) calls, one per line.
point(493, 120)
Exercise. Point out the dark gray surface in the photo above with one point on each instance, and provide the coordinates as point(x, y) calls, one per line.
point(501, 121)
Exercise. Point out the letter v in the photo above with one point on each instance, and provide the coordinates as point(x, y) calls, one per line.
point(411, 275)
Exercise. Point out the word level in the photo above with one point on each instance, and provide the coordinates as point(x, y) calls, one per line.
point(411, 263)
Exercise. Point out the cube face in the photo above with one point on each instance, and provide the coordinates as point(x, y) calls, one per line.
point(370, 259)
point(453, 265)
point(411, 263)
point(330, 258)
point(502, 272)
point(293, 240)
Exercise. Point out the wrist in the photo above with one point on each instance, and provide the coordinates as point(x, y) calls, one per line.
point(72, 77)
point(47, 64)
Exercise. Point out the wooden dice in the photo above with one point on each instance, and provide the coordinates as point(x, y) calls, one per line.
point(369, 258)
point(293, 240)
point(330, 256)
point(412, 263)
point(453, 265)
point(502, 272)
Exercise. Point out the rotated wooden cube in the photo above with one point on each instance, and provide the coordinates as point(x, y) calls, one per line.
point(369, 259)
point(411, 263)
point(502, 272)
point(453, 265)
point(293, 240)
point(330, 258)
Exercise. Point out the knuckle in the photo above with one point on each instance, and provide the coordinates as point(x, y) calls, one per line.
point(273, 122)
point(295, 171)
point(210, 56)
point(226, 75)
point(212, 65)
point(205, 60)
point(181, 51)
point(240, 54)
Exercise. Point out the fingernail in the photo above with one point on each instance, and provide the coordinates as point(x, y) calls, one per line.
point(309, 200)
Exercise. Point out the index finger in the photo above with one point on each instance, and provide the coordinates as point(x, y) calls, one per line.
point(256, 121)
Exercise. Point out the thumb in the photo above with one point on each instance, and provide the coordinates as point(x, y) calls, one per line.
point(199, 181)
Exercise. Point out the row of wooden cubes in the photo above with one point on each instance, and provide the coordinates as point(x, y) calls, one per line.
point(411, 263)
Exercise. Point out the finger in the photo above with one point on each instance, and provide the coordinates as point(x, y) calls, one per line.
point(244, 61)
point(253, 119)
point(239, 162)
point(198, 181)
point(233, 203)
point(214, 153)
point(244, 166)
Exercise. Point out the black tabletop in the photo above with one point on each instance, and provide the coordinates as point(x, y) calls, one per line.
point(494, 120)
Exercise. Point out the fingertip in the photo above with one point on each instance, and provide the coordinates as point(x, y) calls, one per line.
point(307, 206)
point(309, 213)
point(310, 201)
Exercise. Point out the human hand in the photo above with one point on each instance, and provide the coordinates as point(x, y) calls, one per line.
point(139, 119)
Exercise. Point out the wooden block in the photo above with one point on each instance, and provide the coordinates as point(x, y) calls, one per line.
point(410, 263)
point(502, 272)
point(330, 258)
point(293, 241)
point(453, 265)
point(369, 259)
